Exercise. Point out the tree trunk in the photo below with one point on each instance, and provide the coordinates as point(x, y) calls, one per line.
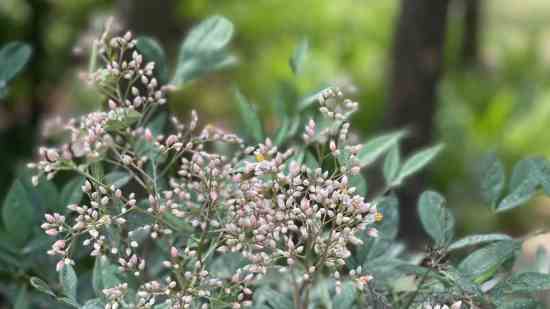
point(416, 70)
point(470, 36)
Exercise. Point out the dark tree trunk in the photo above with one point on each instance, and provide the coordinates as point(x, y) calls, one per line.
point(470, 36)
point(417, 63)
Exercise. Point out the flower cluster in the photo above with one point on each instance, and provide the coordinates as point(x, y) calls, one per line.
point(190, 203)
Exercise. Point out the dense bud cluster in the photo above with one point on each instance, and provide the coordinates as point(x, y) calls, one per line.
point(190, 203)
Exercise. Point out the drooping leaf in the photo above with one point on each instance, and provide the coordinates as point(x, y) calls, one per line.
point(391, 164)
point(474, 240)
point(376, 147)
point(153, 52)
point(417, 161)
point(299, 57)
point(436, 219)
point(250, 117)
point(13, 57)
point(203, 50)
point(493, 179)
point(69, 281)
point(18, 213)
point(483, 263)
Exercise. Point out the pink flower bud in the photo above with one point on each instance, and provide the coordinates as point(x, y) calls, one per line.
point(148, 135)
point(174, 252)
point(52, 232)
point(171, 140)
point(59, 266)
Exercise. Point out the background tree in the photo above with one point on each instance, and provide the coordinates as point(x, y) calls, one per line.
point(417, 66)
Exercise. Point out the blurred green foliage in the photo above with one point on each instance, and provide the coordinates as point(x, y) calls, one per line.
point(500, 106)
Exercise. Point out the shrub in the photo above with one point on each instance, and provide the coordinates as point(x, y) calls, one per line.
point(175, 215)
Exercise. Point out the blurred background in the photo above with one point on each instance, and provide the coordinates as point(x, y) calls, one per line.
point(470, 73)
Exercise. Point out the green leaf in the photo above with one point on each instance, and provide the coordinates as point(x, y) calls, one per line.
point(277, 300)
point(347, 296)
point(526, 177)
point(360, 184)
point(41, 286)
point(389, 226)
point(125, 120)
point(117, 178)
point(374, 148)
point(391, 165)
point(104, 275)
point(521, 303)
point(153, 52)
point(3, 89)
point(18, 213)
point(528, 282)
point(483, 263)
point(72, 192)
point(436, 219)
point(69, 281)
point(417, 161)
point(203, 51)
point(299, 57)
point(464, 283)
point(477, 240)
point(95, 303)
point(68, 301)
point(22, 300)
point(493, 179)
point(225, 265)
point(13, 57)
point(250, 117)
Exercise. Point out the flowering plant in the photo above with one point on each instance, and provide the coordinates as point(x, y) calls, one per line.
point(177, 215)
